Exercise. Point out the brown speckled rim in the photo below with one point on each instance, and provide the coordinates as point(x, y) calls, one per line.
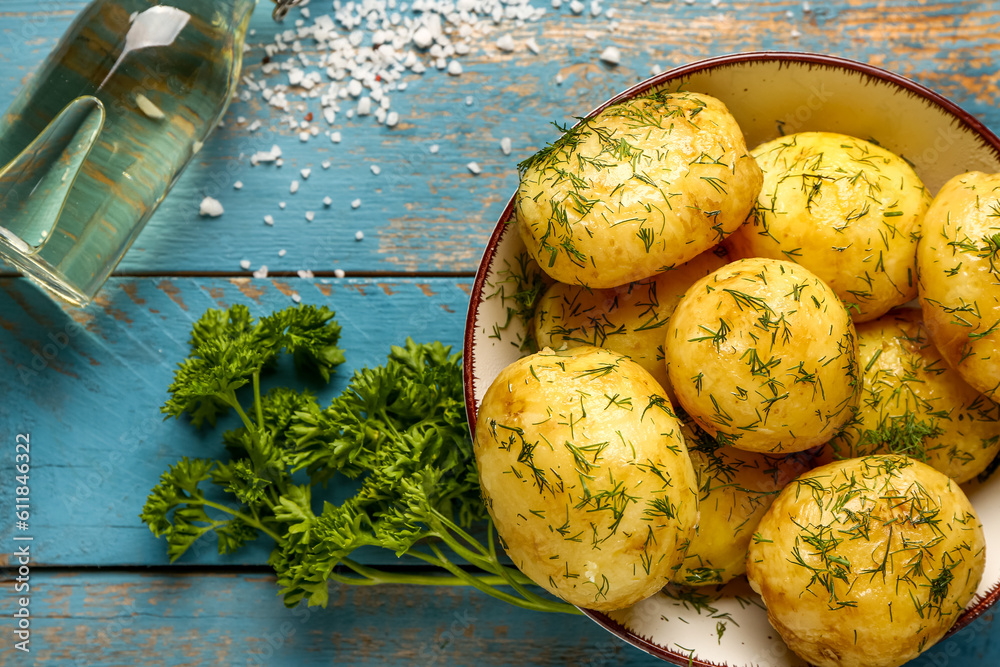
point(812, 60)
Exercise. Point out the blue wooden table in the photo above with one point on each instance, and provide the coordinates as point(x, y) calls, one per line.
point(86, 385)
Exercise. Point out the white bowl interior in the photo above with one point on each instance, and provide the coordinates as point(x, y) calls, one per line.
point(769, 95)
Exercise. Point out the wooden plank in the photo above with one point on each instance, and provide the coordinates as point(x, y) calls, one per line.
point(126, 618)
point(87, 386)
point(427, 212)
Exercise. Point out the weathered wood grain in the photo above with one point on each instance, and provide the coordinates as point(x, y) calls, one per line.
point(205, 618)
point(87, 386)
point(427, 212)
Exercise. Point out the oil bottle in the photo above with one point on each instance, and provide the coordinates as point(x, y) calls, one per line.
point(102, 131)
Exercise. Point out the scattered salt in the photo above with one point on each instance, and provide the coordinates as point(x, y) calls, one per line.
point(335, 137)
point(210, 207)
point(325, 164)
point(327, 201)
point(454, 68)
point(282, 252)
point(238, 185)
point(295, 295)
point(294, 187)
point(304, 274)
point(281, 205)
point(505, 145)
point(506, 43)
point(391, 119)
point(339, 273)
point(376, 169)
point(434, 149)
point(261, 272)
point(305, 173)
point(310, 216)
point(356, 203)
point(359, 236)
point(245, 264)
point(611, 55)
point(474, 168)
point(268, 220)
point(148, 108)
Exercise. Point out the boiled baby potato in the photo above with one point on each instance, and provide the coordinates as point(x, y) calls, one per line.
point(867, 562)
point(912, 403)
point(847, 210)
point(958, 269)
point(586, 475)
point(629, 319)
point(645, 185)
point(735, 490)
point(763, 354)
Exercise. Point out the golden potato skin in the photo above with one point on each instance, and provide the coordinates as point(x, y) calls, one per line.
point(735, 490)
point(586, 475)
point(629, 319)
point(867, 562)
point(913, 403)
point(958, 270)
point(645, 185)
point(764, 353)
point(846, 209)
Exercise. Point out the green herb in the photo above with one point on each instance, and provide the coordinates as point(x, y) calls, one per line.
point(399, 428)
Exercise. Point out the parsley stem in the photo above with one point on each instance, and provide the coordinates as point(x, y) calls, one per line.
point(239, 515)
point(538, 603)
point(258, 407)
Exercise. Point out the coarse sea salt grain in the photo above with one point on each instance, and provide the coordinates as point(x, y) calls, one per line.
point(434, 148)
point(327, 201)
point(305, 173)
point(210, 207)
point(261, 272)
point(356, 203)
point(295, 295)
point(335, 137)
point(282, 252)
point(474, 168)
point(268, 219)
point(245, 264)
point(611, 55)
point(339, 273)
point(304, 274)
point(238, 185)
point(376, 169)
point(294, 187)
point(310, 216)
point(359, 236)
point(505, 145)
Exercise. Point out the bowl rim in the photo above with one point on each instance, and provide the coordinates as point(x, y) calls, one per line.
point(970, 123)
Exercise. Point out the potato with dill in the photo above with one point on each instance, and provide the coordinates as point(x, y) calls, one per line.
point(735, 489)
point(913, 403)
point(630, 319)
point(644, 185)
point(958, 268)
point(586, 475)
point(846, 209)
point(867, 562)
point(763, 354)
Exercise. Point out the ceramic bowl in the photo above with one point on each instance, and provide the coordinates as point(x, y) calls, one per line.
point(769, 94)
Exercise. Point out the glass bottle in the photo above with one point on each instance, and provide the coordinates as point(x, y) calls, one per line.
point(102, 131)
